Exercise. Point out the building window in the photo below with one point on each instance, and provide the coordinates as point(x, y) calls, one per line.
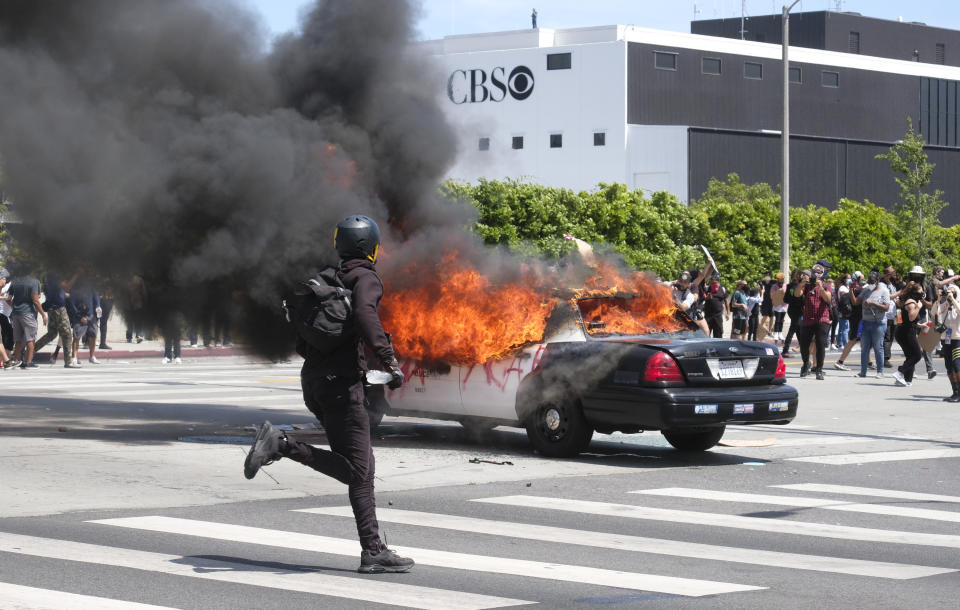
point(796, 75)
point(752, 70)
point(517, 142)
point(599, 138)
point(556, 140)
point(853, 43)
point(665, 61)
point(710, 65)
point(484, 144)
point(941, 53)
point(830, 79)
point(558, 61)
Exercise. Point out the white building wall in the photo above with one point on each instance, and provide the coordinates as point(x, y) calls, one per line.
point(575, 103)
point(657, 159)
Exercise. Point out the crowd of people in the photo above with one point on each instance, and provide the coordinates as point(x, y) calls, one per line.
point(920, 314)
point(76, 310)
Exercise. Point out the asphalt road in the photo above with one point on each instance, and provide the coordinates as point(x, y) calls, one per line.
point(122, 485)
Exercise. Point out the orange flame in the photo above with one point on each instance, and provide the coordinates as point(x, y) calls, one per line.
point(635, 304)
point(457, 315)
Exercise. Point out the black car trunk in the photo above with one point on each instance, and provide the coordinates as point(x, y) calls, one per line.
point(718, 361)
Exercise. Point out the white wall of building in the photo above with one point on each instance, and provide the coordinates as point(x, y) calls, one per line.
point(657, 159)
point(589, 97)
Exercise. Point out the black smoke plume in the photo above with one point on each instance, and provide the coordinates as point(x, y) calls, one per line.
point(161, 139)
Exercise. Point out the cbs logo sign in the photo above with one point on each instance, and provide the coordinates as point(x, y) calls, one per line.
point(474, 86)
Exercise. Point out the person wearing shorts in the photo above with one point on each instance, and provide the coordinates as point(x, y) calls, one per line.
point(26, 307)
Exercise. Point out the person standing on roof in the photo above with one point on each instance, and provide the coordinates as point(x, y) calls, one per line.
point(334, 392)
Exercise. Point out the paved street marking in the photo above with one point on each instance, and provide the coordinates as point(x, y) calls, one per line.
point(459, 561)
point(660, 546)
point(883, 456)
point(869, 491)
point(248, 573)
point(759, 524)
point(803, 441)
point(827, 504)
point(32, 598)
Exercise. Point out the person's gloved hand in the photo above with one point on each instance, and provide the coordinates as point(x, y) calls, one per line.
point(394, 369)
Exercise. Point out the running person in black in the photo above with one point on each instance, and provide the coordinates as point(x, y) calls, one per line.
point(333, 391)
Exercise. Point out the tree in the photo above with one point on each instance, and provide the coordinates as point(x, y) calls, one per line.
point(917, 210)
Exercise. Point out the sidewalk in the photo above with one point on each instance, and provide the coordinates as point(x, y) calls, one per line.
point(141, 351)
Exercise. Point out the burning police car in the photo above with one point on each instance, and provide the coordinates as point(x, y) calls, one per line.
point(596, 370)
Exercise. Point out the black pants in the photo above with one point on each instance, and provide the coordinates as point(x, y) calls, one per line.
point(752, 324)
point(888, 340)
point(906, 336)
point(778, 317)
point(817, 332)
point(339, 403)
point(715, 323)
point(106, 305)
point(794, 330)
point(6, 330)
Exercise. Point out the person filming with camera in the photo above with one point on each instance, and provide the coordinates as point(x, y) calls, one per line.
point(910, 300)
point(816, 295)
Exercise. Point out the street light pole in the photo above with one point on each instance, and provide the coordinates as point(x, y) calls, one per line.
point(785, 141)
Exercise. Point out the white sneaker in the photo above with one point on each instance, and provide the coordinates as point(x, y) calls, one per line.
point(840, 367)
point(899, 380)
point(76, 362)
point(177, 360)
point(166, 360)
point(879, 375)
point(93, 360)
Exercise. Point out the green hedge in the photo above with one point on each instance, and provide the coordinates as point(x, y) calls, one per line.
point(738, 223)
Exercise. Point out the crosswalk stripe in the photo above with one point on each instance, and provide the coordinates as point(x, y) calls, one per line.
point(882, 456)
point(759, 524)
point(460, 561)
point(155, 390)
point(826, 504)
point(247, 573)
point(803, 441)
point(32, 598)
point(659, 546)
point(869, 491)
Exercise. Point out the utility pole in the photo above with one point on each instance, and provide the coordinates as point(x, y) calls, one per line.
point(785, 139)
point(743, 11)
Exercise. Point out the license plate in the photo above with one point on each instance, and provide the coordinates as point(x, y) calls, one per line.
point(731, 369)
point(776, 407)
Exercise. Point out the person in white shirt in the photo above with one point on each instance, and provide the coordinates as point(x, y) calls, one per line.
point(948, 314)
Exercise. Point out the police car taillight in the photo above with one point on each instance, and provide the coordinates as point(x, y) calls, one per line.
point(662, 367)
point(781, 368)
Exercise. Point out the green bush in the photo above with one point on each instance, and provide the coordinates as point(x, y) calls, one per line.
point(738, 223)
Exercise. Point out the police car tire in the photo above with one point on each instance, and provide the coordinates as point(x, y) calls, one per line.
point(559, 429)
point(694, 440)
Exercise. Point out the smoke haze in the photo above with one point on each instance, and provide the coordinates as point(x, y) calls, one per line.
point(160, 139)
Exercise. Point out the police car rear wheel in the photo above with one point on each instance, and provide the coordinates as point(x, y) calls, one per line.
point(559, 430)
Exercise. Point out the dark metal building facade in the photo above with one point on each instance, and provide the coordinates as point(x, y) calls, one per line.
point(840, 117)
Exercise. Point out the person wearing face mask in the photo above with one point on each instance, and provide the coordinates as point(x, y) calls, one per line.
point(948, 315)
point(815, 295)
point(873, 300)
point(911, 302)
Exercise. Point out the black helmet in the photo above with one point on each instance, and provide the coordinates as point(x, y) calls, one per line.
point(357, 237)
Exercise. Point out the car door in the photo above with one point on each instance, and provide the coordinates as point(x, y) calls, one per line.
point(490, 389)
point(428, 388)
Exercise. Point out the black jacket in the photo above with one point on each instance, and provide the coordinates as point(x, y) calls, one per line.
point(359, 276)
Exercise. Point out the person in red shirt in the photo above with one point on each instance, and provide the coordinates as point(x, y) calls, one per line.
point(816, 295)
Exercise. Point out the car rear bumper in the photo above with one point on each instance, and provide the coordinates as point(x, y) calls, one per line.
point(671, 408)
